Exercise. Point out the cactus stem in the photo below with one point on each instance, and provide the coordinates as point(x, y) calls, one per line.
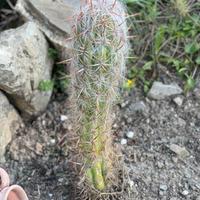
point(100, 48)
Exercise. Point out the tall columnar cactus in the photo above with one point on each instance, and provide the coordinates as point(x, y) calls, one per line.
point(100, 47)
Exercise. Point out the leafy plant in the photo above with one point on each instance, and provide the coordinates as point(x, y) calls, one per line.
point(61, 78)
point(167, 33)
point(140, 75)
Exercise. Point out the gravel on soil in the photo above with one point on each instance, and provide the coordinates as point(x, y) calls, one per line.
point(38, 158)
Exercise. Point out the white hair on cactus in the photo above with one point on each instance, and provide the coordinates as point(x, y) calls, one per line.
point(100, 48)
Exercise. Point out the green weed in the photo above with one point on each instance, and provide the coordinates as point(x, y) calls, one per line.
point(61, 79)
point(46, 85)
point(167, 34)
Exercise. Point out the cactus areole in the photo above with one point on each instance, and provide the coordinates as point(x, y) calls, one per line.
point(99, 50)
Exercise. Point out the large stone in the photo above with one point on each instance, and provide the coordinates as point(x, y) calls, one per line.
point(161, 91)
point(24, 63)
point(52, 16)
point(9, 122)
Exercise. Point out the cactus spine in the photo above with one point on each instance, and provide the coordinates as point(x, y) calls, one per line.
point(100, 47)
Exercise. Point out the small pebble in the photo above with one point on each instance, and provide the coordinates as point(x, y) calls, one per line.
point(178, 101)
point(180, 151)
point(129, 120)
point(39, 148)
point(139, 107)
point(175, 159)
point(69, 127)
point(160, 165)
point(50, 195)
point(124, 104)
point(22, 125)
point(115, 125)
point(123, 141)
point(163, 187)
point(131, 183)
point(43, 122)
point(185, 192)
point(198, 186)
point(53, 141)
point(60, 180)
point(63, 118)
point(130, 134)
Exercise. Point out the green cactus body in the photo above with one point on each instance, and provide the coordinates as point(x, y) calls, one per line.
point(99, 59)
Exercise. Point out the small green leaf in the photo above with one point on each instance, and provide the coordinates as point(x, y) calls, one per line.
point(146, 86)
point(148, 65)
point(159, 37)
point(181, 70)
point(46, 85)
point(176, 63)
point(198, 60)
point(190, 84)
point(192, 48)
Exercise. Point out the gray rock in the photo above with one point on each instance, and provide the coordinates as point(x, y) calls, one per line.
point(163, 187)
point(181, 122)
point(178, 101)
point(130, 134)
point(161, 91)
point(53, 17)
point(63, 118)
point(124, 104)
point(123, 141)
point(180, 151)
point(138, 107)
point(160, 165)
point(198, 185)
point(24, 63)
point(9, 122)
point(185, 192)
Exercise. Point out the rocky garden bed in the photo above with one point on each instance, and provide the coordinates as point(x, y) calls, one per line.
point(157, 120)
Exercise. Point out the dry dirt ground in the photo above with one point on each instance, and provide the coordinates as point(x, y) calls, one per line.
point(38, 158)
